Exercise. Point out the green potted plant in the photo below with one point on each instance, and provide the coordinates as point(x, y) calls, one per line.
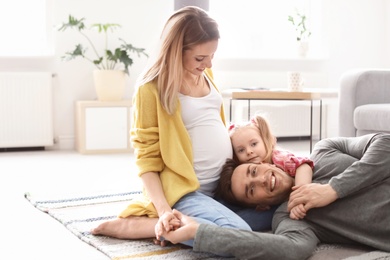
point(302, 33)
point(111, 65)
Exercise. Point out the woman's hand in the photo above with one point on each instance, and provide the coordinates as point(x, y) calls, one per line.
point(186, 231)
point(166, 222)
point(312, 195)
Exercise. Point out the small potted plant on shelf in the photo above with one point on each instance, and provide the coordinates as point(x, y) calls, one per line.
point(112, 66)
point(302, 33)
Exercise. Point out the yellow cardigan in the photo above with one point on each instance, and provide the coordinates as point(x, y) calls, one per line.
point(162, 144)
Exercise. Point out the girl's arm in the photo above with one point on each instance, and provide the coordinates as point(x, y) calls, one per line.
point(303, 175)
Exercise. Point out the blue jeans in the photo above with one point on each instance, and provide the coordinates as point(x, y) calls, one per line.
point(205, 209)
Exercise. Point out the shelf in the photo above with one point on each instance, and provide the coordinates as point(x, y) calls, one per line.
point(102, 127)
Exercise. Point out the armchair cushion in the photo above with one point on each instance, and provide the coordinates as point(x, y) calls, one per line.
point(364, 101)
point(372, 118)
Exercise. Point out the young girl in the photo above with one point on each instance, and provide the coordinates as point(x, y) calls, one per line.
point(253, 142)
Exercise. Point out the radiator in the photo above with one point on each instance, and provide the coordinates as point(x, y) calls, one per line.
point(26, 117)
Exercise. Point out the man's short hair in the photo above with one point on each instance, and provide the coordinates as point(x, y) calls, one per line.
point(224, 187)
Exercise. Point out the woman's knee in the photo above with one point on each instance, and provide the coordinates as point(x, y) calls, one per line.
point(205, 208)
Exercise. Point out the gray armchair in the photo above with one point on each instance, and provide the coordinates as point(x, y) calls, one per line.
point(364, 102)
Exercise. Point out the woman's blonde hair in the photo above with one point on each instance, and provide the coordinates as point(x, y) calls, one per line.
point(187, 27)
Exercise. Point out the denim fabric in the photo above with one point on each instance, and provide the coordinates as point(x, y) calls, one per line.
point(205, 209)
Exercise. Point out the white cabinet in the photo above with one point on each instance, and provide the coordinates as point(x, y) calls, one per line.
point(102, 127)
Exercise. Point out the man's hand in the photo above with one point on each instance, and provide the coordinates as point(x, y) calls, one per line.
point(312, 195)
point(185, 232)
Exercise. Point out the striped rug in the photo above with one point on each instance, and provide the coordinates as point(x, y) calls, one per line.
point(79, 213)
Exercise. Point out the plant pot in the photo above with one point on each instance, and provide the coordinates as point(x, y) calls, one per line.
point(303, 48)
point(109, 84)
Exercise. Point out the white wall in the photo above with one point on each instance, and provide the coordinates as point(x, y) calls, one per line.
point(357, 33)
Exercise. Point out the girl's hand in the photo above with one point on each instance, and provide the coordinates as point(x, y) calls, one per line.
point(312, 195)
point(166, 222)
point(298, 212)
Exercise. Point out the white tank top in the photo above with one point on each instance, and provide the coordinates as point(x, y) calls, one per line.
point(210, 140)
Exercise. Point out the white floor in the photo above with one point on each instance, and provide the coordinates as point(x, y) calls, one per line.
point(26, 232)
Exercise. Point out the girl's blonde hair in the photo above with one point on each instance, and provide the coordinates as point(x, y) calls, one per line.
point(187, 27)
point(262, 125)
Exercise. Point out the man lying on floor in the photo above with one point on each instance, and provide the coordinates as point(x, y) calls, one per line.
point(348, 203)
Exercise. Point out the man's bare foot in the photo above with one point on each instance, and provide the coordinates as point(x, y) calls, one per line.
point(127, 228)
